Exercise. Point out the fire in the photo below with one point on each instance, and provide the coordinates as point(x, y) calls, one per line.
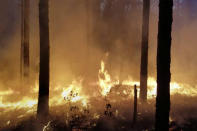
point(175, 88)
point(69, 94)
point(8, 92)
point(72, 92)
point(24, 103)
point(105, 80)
point(62, 94)
point(106, 84)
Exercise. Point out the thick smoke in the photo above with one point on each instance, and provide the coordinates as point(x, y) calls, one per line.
point(81, 37)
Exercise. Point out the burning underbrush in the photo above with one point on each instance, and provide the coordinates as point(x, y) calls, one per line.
point(109, 106)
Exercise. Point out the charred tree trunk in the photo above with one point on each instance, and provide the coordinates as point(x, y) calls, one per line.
point(144, 50)
point(43, 100)
point(163, 65)
point(24, 69)
point(135, 106)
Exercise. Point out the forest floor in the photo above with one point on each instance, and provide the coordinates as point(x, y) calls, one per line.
point(183, 117)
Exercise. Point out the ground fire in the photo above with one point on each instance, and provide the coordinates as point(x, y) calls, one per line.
point(98, 65)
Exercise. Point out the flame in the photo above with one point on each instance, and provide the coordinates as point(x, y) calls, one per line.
point(175, 88)
point(70, 94)
point(105, 80)
point(8, 92)
point(73, 93)
point(61, 94)
point(24, 103)
point(106, 84)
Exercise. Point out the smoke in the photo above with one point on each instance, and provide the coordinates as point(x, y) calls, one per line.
point(81, 38)
point(78, 40)
point(8, 43)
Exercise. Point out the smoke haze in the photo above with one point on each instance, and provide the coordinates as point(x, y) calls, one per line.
point(81, 37)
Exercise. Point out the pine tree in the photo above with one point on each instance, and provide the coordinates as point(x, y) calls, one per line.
point(144, 51)
point(24, 39)
point(43, 100)
point(163, 65)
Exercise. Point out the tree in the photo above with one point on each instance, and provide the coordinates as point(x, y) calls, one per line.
point(88, 31)
point(43, 99)
point(144, 50)
point(163, 65)
point(24, 38)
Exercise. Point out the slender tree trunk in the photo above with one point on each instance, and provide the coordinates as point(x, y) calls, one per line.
point(163, 65)
point(135, 106)
point(144, 50)
point(88, 5)
point(24, 38)
point(43, 100)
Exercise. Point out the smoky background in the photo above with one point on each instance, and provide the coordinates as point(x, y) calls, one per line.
point(84, 32)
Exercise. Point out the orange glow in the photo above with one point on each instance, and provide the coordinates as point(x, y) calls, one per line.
point(73, 93)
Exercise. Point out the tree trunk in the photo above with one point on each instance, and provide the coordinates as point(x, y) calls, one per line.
point(88, 15)
point(144, 50)
point(135, 106)
point(163, 65)
point(24, 38)
point(43, 100)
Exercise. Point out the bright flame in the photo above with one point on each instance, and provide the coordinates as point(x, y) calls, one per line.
point(24, 103)
point(105, 80)
point(106, 84)
point(73, 93)
point(8, 92)
point(175, 88)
